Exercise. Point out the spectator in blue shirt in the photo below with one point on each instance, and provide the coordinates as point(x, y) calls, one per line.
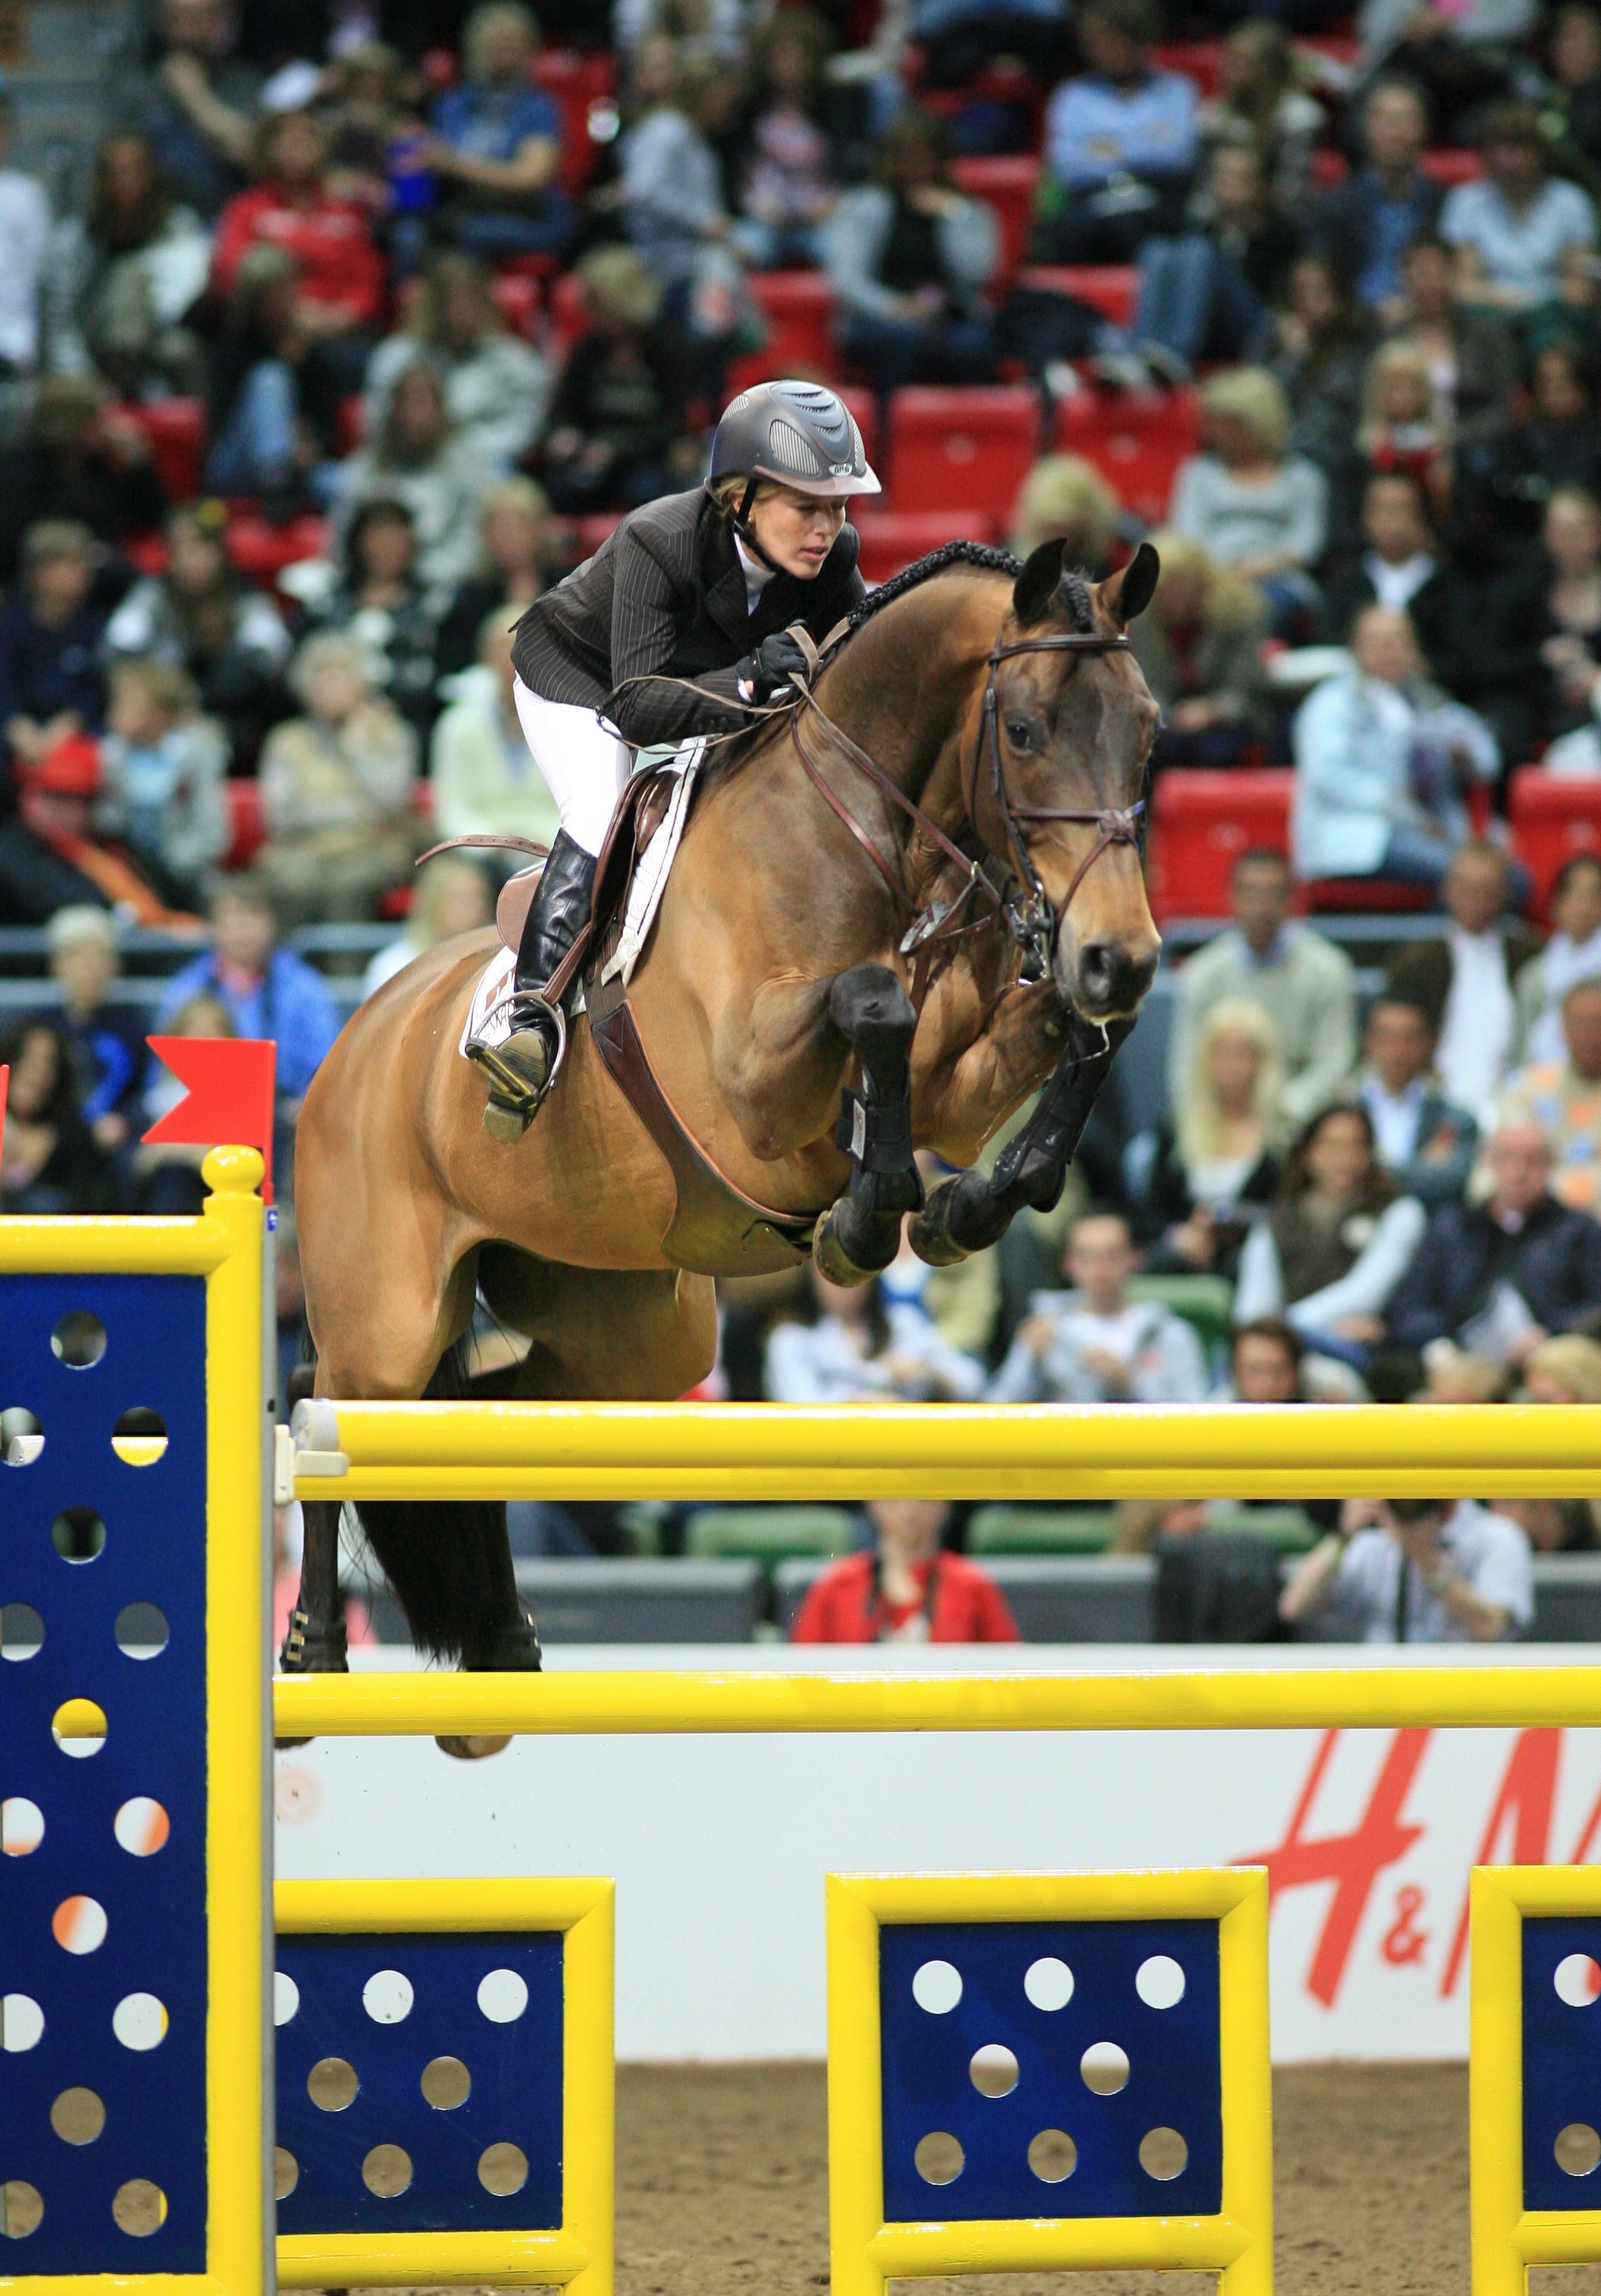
point(1120, 144)
point(1524, 238)
point(1365, 224)
point(104, 1040)
point(497, 143)
point(268, 991)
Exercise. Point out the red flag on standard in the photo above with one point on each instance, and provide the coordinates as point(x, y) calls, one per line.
point(229, 1103)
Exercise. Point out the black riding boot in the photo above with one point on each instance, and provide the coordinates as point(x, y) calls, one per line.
point(523, 1068)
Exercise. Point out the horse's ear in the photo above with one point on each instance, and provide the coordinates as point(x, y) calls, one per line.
point(1131, 592)
point(1036, 586)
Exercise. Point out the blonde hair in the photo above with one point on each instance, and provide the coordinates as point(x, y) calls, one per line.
point(515, 493)
point(1229, 602)
point(1251, 396)
point(1571, 1359)
point(319, 653)
point(1065, 494)
point(166, 686)
point(1199, 1128)
point(430, 884)
point(729, 493)
point(1390, 359)
point(618, 281)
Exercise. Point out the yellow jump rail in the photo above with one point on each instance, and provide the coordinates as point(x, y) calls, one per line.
point(1019, 1451)
point(1484, 1696)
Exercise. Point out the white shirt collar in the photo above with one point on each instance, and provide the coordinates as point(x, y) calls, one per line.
point(756, 576)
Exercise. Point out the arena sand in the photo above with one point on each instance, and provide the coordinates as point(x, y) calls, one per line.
point(723, 2189)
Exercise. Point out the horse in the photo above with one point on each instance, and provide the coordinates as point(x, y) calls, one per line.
point(899, 908)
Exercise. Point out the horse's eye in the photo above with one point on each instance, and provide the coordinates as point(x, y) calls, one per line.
point(1019, 733)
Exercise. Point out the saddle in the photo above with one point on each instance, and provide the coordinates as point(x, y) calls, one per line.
point(717, 1228)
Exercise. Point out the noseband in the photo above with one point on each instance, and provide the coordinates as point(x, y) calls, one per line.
point(1030, 918)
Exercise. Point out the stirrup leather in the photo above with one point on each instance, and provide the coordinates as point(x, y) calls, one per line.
point(506, 1087)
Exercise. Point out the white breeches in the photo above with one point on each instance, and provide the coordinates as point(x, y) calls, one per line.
point(585, 765)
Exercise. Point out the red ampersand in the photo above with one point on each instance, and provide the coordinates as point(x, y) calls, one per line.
point(1403, 1944)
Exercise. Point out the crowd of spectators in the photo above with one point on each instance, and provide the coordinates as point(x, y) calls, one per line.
point(429, 326)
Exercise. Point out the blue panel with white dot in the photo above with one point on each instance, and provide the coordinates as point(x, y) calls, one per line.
point(102, 1883)
point(419, 2082)
point(1562, 2061)
point(1051, 2068)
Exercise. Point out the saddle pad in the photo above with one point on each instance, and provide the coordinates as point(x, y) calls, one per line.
point(650, 872)
point(488, 1014)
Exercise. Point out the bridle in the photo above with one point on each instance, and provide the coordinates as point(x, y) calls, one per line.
point(1026, 912)
point(1031, 918)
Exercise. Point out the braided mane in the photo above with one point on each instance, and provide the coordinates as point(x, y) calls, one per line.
point(967, 554)
point(923, 569)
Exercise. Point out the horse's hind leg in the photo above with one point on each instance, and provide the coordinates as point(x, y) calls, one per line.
point(861, 1233)
point(315, 1641)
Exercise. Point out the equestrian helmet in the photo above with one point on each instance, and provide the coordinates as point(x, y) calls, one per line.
point(801, 434)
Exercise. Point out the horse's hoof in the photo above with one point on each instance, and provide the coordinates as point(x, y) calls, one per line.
point(831, 1258)
point(930, 1236)
point(471, 1749)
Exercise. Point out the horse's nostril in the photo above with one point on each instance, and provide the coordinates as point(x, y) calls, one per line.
point(1110, 976)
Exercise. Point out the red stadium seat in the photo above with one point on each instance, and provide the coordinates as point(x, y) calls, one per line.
point(177, 430)
point(1201, 823)
point(244, 815)
point(583, 86)
point(568, 313)
point(892, 539)
point(1341, 49)
point(1008, 184)
point(147, 551)
point(590, 532)
point(1113, 288)
point(864, 406)
point(1366, 895)
point(1451, 167)
point(961, 449)
point(1551, 819)
point(798, 306)
point(1201, 61)
point(262, 549)
point(1136, 440)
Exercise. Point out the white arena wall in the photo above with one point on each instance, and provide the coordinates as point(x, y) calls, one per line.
point(719, 1844)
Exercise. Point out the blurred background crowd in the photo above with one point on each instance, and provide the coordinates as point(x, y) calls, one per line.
point(333, 332)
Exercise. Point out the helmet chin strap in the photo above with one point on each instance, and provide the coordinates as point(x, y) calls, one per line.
point(745, 532)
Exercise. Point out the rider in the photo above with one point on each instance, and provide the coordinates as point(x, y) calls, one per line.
point(702, 586)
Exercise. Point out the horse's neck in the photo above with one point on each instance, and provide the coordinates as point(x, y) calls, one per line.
point(906, 687)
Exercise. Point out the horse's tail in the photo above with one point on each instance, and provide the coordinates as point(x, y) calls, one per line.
point(448, 1561)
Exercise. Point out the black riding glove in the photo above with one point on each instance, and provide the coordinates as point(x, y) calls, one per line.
point(778, 662)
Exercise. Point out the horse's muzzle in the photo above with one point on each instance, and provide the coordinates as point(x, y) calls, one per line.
point(1106, 978)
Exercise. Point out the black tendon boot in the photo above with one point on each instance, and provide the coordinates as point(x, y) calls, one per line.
point(522, 1069)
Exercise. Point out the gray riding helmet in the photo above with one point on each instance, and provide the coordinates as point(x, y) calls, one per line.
point(801, 434)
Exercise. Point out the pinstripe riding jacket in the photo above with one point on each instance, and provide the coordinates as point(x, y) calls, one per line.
point(666, 593)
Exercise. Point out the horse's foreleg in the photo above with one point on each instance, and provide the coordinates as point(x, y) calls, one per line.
point(862, 1233)
point(975, 1209)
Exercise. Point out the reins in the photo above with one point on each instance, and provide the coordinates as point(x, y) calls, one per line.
point(1027, 915)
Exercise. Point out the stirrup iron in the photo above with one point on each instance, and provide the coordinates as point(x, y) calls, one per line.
point(513, 1102)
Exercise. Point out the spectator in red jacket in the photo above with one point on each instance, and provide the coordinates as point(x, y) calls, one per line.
point(341, 281)
point(905, 1589)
